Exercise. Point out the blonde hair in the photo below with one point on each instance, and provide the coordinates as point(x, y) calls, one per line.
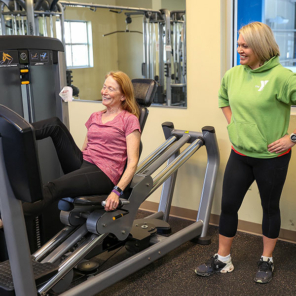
point(260, 39)
point(126, 88)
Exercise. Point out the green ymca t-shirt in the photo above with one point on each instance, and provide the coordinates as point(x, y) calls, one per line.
point(260, 102)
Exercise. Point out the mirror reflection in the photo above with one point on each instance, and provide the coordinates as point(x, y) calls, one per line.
point(141, 38)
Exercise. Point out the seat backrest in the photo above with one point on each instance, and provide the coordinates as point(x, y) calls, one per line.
point(144, 90)
point(20, 155)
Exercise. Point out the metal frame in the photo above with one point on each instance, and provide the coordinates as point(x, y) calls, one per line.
point(15, 235)
point(95, 226)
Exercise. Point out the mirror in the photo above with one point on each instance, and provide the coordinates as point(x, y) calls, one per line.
point(133, 41)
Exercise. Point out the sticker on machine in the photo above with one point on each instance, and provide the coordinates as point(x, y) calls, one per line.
point(8, 58)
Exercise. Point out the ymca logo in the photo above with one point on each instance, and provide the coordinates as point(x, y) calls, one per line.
point(263, 83)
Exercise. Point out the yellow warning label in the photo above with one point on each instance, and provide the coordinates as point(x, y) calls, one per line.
point(6, 57)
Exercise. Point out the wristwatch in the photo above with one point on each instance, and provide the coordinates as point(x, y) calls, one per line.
point(293, 137)
point(120, 190)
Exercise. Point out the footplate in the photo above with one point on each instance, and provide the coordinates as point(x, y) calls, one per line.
point(42, 273)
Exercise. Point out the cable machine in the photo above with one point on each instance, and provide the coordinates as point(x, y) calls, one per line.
point(43, 18)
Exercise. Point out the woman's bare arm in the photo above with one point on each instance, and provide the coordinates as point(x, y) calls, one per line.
point(133, 145)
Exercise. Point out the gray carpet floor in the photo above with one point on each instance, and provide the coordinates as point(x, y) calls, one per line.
point(174, 274)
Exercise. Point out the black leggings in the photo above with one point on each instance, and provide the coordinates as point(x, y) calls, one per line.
point(81, 177)
point(240, 173)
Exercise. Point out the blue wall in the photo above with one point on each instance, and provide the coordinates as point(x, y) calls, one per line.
point(248, 11)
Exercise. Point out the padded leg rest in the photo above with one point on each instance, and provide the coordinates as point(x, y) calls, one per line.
point(42, 273)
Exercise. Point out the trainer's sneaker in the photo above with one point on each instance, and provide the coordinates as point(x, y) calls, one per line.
point(214, 266)
point(264, 273)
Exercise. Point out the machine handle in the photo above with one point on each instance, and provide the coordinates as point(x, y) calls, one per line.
point(121, 202)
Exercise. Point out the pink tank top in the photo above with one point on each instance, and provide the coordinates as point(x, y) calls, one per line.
point(106, 147)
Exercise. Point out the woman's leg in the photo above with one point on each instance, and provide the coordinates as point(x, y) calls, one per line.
point(70, 156)
point(238, 177)
point(270, 176)
point(268, 246)
point(88, 180)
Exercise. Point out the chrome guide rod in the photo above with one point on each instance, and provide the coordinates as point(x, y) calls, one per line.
point(167, 154)
point(50, 245)
point(179, 161)
point(168, 54)
point(66, 245)
point(153, 156)
point(30, 17)
point(71, 261)
point(3, 28)
point(62, 20)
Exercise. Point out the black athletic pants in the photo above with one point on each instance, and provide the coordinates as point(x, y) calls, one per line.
point(81, 177)
point(240, 173)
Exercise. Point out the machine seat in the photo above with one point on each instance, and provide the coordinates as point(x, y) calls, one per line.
point(42, 273)
point(68, 203)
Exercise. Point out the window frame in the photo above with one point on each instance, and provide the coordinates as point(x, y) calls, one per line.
point(89, 45)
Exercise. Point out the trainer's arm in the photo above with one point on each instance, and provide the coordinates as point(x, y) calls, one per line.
point(227, 113)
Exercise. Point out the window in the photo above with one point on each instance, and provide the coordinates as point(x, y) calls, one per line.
point(280, 16)
point(78, 43)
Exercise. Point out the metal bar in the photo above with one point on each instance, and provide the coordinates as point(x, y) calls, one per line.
point(206, 199)
point(155, 154)
point(3, 27)
point(148, 64)
point(168, 191)
point(15, 236)
point(25, 102)
point(14, 30)
point(179, 161)
point(30, 17)
point(62, 20)
point(30, 104)
point(90, 5)
point(144, 71)
point(71, 261)
point(120, 271)
point(168, 50)
point(55, 241)
point(35, 12)
point(160, 54)
point(66, 245)
point(157, 215)
point(44, 25)
point(51, 26)
point(166, 155)
point(23, 25)
point(184, 53)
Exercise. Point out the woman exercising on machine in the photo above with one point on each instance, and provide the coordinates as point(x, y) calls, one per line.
point(112, 140)
point(255, 98)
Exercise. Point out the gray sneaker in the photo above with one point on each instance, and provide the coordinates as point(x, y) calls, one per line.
point(214, 266)
point(264, 273)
